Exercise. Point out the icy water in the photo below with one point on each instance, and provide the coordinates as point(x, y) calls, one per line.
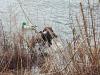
point(55, 13)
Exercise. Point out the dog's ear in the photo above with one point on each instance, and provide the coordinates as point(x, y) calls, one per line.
point(55, 35)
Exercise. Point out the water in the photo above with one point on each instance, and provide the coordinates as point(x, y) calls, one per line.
point(55, 13)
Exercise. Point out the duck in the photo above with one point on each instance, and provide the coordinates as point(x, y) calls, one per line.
point(27, 27)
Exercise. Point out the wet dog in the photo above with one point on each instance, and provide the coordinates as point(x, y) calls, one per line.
point(43, 37)
point(47, 35)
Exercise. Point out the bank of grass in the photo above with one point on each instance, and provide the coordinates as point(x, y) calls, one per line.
point(84, 51)
point(81, 54)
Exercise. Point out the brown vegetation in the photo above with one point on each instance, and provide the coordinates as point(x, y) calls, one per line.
point(80, 57)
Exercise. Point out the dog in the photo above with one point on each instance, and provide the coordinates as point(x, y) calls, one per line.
point(48, 34)
point(43, 37)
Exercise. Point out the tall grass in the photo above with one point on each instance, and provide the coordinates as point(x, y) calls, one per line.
point(85, 58)
point(79, 57)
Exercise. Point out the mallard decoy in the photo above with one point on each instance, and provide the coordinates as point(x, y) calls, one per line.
point(25, 26)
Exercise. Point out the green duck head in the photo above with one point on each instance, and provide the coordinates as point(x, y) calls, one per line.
point(23, 24)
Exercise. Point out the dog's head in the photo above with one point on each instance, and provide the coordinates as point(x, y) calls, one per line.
point(49, 30)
